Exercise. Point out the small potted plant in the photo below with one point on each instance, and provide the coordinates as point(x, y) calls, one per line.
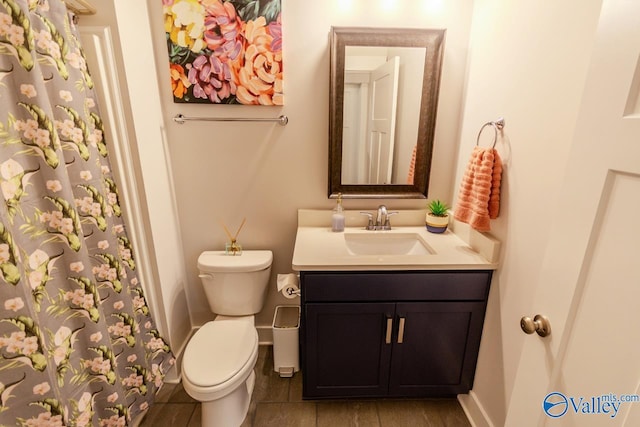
point(437, 218)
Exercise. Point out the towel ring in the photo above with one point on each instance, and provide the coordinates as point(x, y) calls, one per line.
point(497, 126)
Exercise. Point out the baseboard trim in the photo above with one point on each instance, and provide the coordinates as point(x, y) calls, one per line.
point(265, 335)
point(474, 410)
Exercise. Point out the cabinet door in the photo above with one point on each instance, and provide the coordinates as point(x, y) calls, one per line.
point(346, 352)
point(435, 348)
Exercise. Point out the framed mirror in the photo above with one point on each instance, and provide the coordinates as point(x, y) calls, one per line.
point(383, 98)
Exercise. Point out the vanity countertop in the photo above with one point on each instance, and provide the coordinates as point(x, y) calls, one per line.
point(317, 248)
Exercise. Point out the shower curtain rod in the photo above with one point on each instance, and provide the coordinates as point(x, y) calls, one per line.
point(281, 120)
point(81, 7)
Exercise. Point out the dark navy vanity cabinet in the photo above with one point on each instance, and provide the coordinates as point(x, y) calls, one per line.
point(391, 333)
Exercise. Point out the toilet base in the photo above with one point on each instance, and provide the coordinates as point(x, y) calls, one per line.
point(231, 410)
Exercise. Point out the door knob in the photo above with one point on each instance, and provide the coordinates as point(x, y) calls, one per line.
point(539, 324)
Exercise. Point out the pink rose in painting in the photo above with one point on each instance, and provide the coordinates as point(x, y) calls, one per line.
point(223, 29)
point(211, 79)
point(275, 30)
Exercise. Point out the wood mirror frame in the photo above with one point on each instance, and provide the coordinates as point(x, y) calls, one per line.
point(433, 41)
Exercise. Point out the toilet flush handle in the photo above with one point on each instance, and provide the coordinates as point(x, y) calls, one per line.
point(206, 276)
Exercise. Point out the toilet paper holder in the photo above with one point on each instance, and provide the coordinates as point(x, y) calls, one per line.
point(292, 291)
point(288, 285)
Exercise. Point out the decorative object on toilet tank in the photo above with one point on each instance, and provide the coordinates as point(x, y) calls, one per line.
point(437, 219)
point(232, 247)
point(225, 52)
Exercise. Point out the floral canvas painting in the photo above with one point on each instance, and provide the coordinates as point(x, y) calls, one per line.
point(225, 52)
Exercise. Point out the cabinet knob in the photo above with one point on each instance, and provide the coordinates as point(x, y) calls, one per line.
point(539, 324)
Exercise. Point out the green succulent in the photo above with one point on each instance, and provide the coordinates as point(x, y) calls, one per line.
point(438, 208)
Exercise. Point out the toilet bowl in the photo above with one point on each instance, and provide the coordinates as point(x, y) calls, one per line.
point(217, 369)
point(218, 362)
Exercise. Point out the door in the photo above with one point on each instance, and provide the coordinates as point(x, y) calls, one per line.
point(382, 120)
point(347, 353)
point(435, 348)
point(590, 283)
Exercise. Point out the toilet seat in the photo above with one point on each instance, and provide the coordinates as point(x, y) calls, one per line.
point(220, 355)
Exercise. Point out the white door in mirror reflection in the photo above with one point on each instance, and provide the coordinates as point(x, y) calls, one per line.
point(369, 121)
point(382, 120)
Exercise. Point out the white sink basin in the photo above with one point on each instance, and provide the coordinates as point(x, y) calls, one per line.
point(408, 246)
point(381, 243)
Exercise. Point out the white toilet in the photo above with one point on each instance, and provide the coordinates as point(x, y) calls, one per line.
point(217, 367)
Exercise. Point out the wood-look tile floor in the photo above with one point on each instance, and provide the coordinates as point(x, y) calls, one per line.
point(278, 402)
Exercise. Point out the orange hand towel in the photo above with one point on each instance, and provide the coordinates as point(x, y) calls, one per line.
point(479, 195)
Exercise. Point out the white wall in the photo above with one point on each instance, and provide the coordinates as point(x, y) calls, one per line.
point(264, 172)
point(528, 63)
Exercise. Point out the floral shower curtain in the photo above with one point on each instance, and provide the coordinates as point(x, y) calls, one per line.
point(78, 346)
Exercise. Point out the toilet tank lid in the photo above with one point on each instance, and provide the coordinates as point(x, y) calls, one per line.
point(219, 261)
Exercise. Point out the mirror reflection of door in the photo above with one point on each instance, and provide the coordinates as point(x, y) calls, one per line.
point(382, 89)
point(354, 127)
point(382, 121)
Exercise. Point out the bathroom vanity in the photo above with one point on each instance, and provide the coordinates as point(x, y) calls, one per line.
point(399, 315)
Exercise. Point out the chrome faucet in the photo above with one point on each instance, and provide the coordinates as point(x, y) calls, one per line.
point(382, 219)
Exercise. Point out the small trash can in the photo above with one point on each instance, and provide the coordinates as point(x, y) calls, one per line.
point(286, 325)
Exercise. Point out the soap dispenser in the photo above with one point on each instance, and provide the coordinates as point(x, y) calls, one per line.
point(337, 219)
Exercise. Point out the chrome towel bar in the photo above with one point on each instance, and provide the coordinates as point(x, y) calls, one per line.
point(179, 118)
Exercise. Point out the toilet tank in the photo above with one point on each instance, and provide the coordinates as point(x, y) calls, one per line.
point(235, 285)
